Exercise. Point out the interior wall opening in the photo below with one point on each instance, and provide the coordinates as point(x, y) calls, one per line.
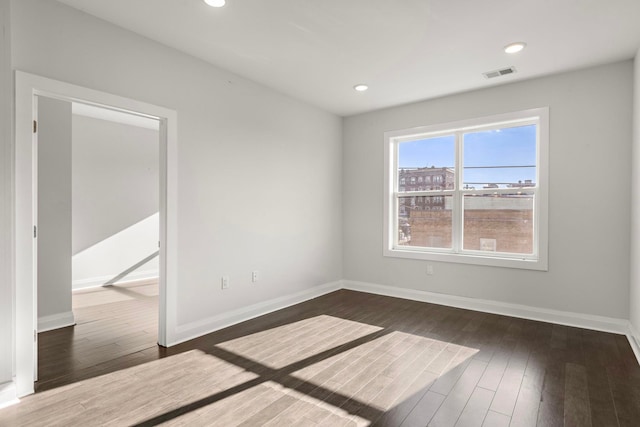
point(28, 89)
point(98, 235)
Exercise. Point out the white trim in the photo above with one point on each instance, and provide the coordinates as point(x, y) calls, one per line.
point(579, 320)
point(567, 318)
point(468, 258)
point(94, 282)
point(80, 109)
point(634, 341)
point(202, 327)
point(27, 87)
point(56, 321)
point(8, 395)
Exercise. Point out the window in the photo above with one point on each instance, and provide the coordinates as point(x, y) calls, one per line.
point(490, 207)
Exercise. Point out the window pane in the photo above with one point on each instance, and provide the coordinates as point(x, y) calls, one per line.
point(499, 223)
point(427, 164)
point(501, 158)
point(425, 221)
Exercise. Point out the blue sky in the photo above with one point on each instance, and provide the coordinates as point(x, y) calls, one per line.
point(511, 147)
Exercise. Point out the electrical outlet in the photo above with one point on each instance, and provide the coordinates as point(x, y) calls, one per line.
point(429, 270)
point(225, 282)
point(254, 276)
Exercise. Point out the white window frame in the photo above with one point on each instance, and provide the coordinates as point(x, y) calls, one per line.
point(536, 261)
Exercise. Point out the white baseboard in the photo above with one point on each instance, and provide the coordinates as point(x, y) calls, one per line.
point(94, 282)
point(8, 394)
point(580, 320)
point(212, 324)
point(56, 321)
point(634, 340)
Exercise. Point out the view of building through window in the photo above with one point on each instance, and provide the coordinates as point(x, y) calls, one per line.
point(477, 185)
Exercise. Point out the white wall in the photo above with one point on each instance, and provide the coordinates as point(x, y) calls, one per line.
point(115, 178)
point(130, 254)
point(259, 173)
point(634, 295)
point(54, 208)
point(590, 148)
point(115, 201)
point(6, 207)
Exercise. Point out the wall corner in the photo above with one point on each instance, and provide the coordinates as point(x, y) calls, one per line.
point(634, 253)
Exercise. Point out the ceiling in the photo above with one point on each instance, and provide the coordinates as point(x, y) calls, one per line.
point(405, 50)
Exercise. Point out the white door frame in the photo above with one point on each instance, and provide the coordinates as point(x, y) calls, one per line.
point(27, 87)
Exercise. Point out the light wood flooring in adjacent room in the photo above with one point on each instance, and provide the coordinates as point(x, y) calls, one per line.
point(344, 359)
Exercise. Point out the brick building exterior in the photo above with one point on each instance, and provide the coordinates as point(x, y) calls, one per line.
point(424, 179)
point(491, 223)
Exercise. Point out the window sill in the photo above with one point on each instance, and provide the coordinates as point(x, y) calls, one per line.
point(491, 261)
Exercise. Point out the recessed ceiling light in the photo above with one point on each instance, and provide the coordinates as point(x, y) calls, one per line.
point(361, 87)
point(514, 47)
point(215, 3)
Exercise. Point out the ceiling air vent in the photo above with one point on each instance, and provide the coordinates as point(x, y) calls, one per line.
point(498, 73)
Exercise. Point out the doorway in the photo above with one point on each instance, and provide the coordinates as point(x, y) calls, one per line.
point(28, 88)
point(97, 228)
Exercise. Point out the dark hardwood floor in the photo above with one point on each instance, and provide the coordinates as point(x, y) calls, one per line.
point(344, 359)
point(111, 322)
